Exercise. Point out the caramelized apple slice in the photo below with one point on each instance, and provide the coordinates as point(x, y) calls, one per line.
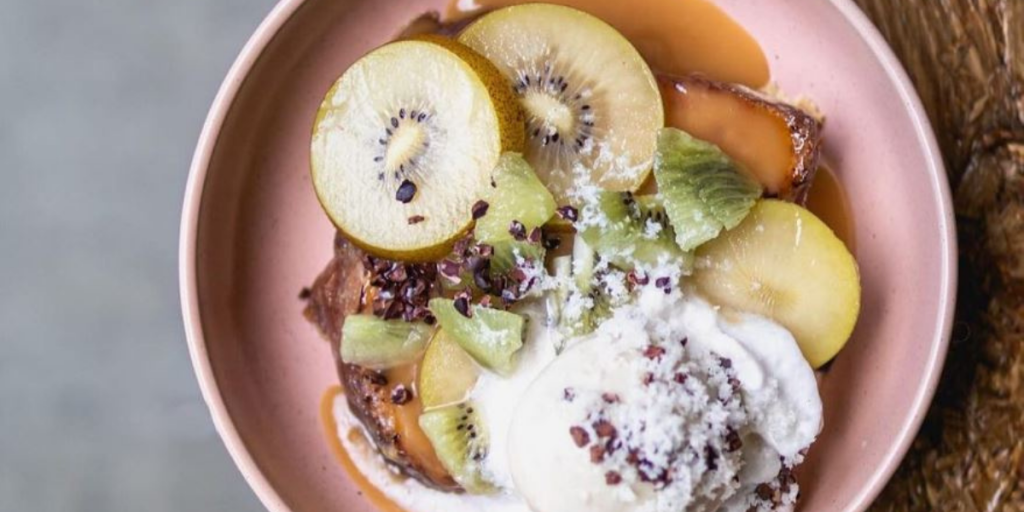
point(777, 143)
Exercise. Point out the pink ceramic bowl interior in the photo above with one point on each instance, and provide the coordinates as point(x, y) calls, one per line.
point(253, 235)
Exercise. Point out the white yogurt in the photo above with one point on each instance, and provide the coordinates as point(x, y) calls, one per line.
point(533, 458)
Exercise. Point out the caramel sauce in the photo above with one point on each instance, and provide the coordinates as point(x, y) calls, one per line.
point(676, 37)
point(407, 424)
point(746, 131)
point(828, 201)
point(330, 426)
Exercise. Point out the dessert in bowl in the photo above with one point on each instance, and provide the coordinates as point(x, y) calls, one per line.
point(556, 292)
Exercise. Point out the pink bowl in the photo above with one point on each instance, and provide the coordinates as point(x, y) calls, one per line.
point(252, 235)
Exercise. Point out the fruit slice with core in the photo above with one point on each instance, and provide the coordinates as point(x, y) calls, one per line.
point(461, 442)
point(786, 264)
point(703, 190)
point(591, 102)
point(447, 372)
point(404, 143)
point(381, 344)
point(491, 336)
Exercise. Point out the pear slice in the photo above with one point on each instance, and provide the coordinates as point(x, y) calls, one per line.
point(404, 144)
point(784, 263)
point(592, 104)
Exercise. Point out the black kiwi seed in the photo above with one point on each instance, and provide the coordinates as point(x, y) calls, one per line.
point(406, 191)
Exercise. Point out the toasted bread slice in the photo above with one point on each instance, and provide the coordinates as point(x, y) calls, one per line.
point(340, 290)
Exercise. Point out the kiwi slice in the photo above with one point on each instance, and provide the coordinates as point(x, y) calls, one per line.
point(517, 204)
point(630, 230)
point(592, 104)
point(380, 344)
point(704, 191)
point(446, 373)
point(404, 142)
point(491, 336)
point(460, 441)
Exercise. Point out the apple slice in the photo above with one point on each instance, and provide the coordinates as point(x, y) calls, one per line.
point(784, 263)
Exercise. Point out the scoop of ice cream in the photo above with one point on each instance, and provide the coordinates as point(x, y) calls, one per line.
point(668, 406)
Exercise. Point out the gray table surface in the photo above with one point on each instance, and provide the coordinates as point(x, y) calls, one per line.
point(101, 103)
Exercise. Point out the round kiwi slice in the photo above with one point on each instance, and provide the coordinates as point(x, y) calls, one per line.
point(404, 144)
point(592, 105)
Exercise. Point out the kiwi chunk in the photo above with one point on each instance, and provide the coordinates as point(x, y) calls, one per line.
point(380, 344)
point(704, 192)
point(631, 231)
point(592, 105)
point(446, 374)
point(404, 142)
point(461, 443)
point(517, 204)
point(491, 336)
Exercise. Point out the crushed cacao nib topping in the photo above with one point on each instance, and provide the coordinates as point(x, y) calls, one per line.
point(579, 436)
point(399, 290)
point(603, 428)
point(401, 395)
point(305, 293)
point(416, 219)
point(462, 306)
point(597, 454)
point(450, 270)
point(569, 394)
point(634, 279)
point(610, 398)
point(664, 283)
point(480, 209)
point(732, 440)
point(568, 213)
point(517, 230)
point(654, 352)
point(612, 478)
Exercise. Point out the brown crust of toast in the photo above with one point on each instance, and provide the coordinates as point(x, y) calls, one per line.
point(340, 290)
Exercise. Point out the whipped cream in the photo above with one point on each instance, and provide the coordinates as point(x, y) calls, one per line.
point(670, 405)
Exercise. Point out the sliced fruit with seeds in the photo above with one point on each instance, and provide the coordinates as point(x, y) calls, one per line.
point(593, 107)
point(461, 442)
point(786, 264)
point(703, 190)
point(446, 374)
point(372, 342)
point(631, 230)
point(517, 204)
point(411, 131)
point(491, 336)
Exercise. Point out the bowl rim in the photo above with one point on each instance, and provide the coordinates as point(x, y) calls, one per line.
point(239, 71)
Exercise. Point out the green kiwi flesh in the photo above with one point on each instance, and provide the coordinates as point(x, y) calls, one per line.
point(632, 231)
point(704, 191)
point(516, 196)
point(491, 336)
point(460, 440)
point(379, 344)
